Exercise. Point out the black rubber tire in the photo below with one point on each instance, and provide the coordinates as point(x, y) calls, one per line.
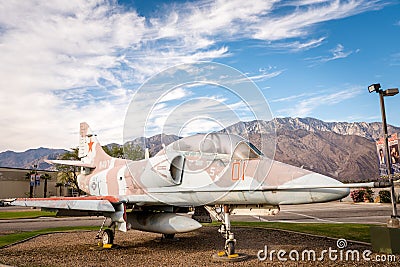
point(230, 248)
point(108, 237)
point(169, 236)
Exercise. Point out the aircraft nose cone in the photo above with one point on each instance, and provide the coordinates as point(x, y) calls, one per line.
point(311, 188)
point(326, 193)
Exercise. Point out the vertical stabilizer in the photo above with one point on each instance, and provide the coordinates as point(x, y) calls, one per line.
point(90, 150)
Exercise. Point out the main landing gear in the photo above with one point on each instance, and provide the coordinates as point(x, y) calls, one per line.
point(106, 236)
point(230, 242)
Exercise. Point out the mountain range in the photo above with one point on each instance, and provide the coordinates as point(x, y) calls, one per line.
point(29, 158)
point(342, 150)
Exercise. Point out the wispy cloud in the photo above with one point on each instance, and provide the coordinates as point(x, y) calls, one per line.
point(265, 74)
point(175, 94)
point(308, 2)
point(304, 105)
point(395, 59)
point(297, 46)
point(338, 52)
point(292, 98)
point(298, 22)
point(195, 115)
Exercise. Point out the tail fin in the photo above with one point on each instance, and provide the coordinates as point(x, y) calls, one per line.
point(90, 150)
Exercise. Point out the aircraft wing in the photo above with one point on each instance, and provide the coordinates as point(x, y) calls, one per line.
point(89, 203)
point(99, 204)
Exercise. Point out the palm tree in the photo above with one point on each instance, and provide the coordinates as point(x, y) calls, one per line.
point(45, 177)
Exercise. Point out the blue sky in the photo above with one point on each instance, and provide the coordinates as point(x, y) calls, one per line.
point(66, 62)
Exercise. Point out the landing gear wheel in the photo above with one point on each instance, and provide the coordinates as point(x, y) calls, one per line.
point(108, 237)
point(230, 248)
point(168, 236)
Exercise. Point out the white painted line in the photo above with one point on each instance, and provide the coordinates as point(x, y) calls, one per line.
point(311, 217)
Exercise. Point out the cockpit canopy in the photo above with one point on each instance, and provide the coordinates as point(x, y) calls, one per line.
point(224, 145)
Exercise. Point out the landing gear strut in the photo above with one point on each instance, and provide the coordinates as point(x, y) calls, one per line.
point(225, 230)
point(106, 236)
point(229, 253)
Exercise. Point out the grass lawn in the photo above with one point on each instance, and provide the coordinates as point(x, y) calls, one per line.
point(25, 214)
point(15, 237)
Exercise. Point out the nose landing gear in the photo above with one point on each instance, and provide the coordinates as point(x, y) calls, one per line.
point(228, 255)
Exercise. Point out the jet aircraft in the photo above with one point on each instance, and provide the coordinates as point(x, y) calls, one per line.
point(214, 172)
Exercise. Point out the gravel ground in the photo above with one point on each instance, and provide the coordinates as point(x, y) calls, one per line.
point(191, 249)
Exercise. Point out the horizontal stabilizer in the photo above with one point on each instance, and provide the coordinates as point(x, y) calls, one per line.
point(76, 163)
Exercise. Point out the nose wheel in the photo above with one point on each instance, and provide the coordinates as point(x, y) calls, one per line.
point(230, 247)
point(229, 254)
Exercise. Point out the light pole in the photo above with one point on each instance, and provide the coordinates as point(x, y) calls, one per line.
point(34, 189)
point(394, 222)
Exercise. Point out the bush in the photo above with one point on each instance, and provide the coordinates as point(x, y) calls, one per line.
point(384, 196)
point(357, 195)
point(369, 195)
point(362, 195)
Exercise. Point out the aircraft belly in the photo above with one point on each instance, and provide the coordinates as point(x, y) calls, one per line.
point(242, 197)
point(297, 196)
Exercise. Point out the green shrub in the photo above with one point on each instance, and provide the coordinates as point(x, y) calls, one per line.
point(362, 195)
point(357, 195)
point(384, 196)
point(369, 194)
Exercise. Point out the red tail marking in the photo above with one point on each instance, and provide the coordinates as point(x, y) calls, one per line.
point(90, 144)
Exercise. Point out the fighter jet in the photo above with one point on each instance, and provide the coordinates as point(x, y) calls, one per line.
point(214, 172)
